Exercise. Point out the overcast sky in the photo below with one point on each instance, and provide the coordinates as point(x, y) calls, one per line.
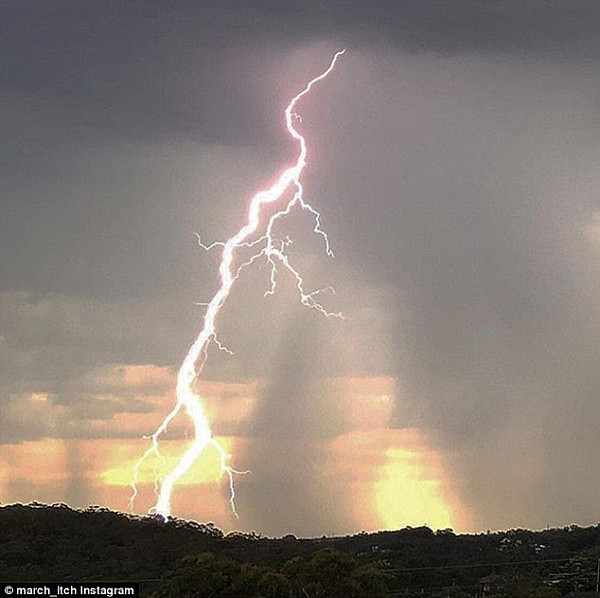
point(453, 154)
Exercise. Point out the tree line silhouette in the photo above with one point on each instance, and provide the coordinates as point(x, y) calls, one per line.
point(193, 560)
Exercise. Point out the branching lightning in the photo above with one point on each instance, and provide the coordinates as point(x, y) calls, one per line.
point(268, 247)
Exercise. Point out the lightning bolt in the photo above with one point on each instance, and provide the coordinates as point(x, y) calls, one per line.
point(273, 250)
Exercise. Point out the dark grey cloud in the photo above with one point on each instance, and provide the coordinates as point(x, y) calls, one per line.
point(44, 335)
point(113, 222)
point(156, 69)
point(71, 354)
point(90, 88)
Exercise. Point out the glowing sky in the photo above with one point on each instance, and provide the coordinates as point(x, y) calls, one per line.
point(454, 160)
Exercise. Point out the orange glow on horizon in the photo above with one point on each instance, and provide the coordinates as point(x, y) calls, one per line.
point(206, 470)
point(393, 476)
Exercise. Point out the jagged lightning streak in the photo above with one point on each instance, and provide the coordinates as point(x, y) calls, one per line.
point(273, 251)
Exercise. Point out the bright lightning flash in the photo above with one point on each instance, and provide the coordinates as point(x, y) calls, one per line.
point(274, 251)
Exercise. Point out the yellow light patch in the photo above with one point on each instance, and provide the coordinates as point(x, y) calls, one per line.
point(206, 469)
point(410, 493)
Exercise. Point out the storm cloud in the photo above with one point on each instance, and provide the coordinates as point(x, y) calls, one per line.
point(454, 159)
